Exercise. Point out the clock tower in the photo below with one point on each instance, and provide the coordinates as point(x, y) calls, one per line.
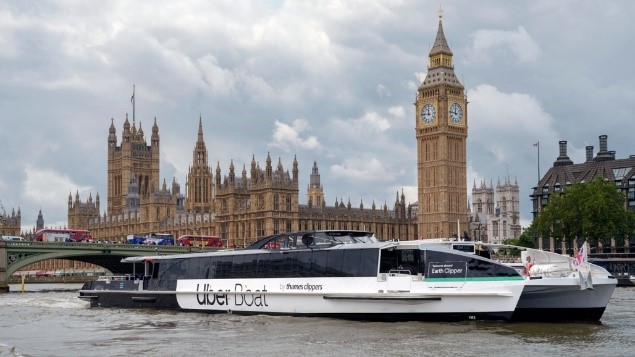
point(441, 131)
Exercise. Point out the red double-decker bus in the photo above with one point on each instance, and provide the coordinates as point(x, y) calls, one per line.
point(62, 235)
point(200, 241)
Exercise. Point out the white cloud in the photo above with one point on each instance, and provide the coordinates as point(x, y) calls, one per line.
point(288, 136)
point(224, 81)
point(487, 43)
point(51, 188)
point(493, 111)
point(68, 69)
point(382, 91)
point(398, 112)
point(368, 123)
point(361, 169)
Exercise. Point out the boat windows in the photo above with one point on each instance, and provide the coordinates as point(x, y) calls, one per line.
point(467, 248)
point(155, 270)
point(352, 263)
point(290, 264)
point(477, 267)
point(312, 240)
point(334, 262)
point(404, 261)
point(263, 266)
point(388, 260)
point(318, 263)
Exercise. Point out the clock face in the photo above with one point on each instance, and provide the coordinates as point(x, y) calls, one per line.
point(456, 113)
point(428, 113)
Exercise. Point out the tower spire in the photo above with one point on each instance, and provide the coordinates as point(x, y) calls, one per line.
point(440, 43)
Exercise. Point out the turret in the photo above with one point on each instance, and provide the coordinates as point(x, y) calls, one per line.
point(295, 169)
point(268, 168)
point(112, 137)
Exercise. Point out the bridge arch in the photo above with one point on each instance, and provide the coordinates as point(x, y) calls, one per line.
point(16, 255)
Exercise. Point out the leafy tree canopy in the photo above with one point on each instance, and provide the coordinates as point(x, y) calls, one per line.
point(593, 211)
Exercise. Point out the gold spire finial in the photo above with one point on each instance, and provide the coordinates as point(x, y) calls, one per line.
point(440, 12)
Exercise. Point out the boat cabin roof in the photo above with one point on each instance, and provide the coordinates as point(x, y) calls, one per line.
point(288, 241)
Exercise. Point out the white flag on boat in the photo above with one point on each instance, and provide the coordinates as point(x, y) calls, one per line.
point(581, 257)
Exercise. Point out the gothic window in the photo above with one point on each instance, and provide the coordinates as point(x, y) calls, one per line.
point(260, 228)
point(276, 227)
point(288, 203)
point(276, 204)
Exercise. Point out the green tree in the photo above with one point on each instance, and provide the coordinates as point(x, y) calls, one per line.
point(594, 211)
point(525, 240)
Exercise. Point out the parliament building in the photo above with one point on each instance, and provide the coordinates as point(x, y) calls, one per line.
point(243, 204)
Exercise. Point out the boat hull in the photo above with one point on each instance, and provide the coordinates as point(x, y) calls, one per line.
point(355, 298)
point(563, 299)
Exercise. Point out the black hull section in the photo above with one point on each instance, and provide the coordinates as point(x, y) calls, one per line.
point(558, 315)
point(138, 301)
point(625, 282)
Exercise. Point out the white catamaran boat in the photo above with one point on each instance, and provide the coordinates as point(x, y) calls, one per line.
point(345, 274)
point(558, 287)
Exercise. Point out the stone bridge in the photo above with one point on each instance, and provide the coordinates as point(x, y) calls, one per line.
point(16, 255)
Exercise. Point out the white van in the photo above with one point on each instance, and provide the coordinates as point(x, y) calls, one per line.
point(12, 238)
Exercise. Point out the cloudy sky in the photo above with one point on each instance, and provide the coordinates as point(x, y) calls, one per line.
point(326, 81)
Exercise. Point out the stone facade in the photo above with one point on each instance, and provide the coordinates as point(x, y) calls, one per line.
point(264, 200)
point(565, 173)
point(238, 208)
point(441, 123)
point(10, 224)
point(495, 217)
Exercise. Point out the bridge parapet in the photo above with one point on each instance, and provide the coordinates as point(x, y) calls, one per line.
point(16, 255)
point(4, 287)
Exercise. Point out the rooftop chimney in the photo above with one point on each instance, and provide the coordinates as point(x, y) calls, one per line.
point(563, 159)
point(563, 148)
point(589, 153)
point(603, 144)
point(604, 154)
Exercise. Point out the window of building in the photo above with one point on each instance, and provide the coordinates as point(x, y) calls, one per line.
point(620, 172)
point(260, 228)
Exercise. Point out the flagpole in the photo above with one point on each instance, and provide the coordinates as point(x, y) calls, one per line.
point(538, 145)
point(133, 106)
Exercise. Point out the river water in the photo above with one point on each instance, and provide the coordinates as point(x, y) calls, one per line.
point(49, 320)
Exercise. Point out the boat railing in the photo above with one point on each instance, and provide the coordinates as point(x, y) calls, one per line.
point(117, 277)
point(394, 272)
